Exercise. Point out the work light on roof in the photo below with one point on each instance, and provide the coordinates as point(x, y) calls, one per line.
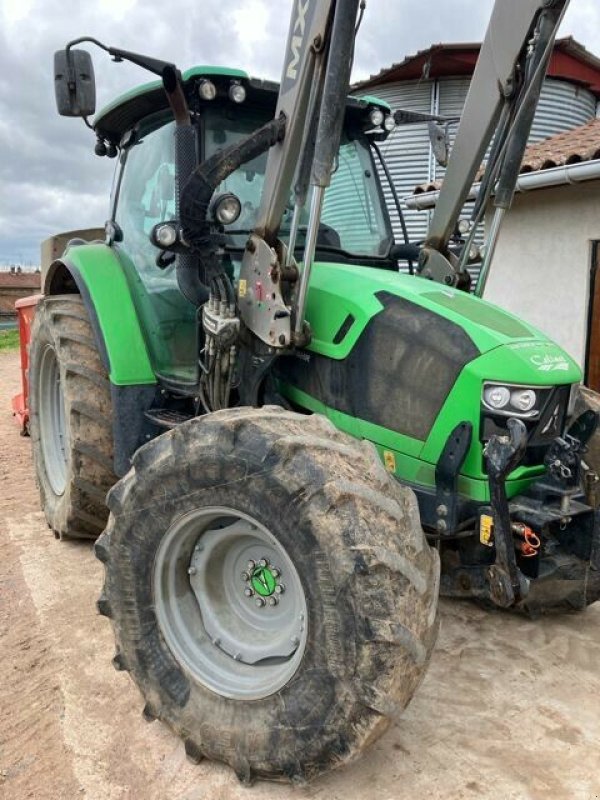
point(207, 90)
point(376, 117)
point(237, 93)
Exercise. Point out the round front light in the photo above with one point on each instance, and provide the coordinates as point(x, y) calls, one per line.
point(207, 90)
point(237, 93)
point(523, 399)
point(226, 208)
point(376, 116)
point(496, 396)
point(165, 235)
point(389, 123)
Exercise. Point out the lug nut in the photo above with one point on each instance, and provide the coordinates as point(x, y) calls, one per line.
point(248, 592)
point(251, 565)
point(192, 570)
point(260, 602)
point(280, 588)
point(275, 572)
point(245, 576)
point(273, 600)
point(263, 562)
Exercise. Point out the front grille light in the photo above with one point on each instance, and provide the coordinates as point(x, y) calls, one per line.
point(511, 401)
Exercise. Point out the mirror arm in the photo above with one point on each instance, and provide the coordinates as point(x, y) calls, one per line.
point(154, 65)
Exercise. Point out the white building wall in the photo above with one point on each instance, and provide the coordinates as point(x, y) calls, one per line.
point(541, 270)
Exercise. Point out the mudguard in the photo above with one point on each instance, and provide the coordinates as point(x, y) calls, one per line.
point(95, 272)
point(99, 278)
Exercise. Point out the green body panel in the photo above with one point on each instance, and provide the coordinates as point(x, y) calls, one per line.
point(109, 292)
point(510, 351)
point(370, 99)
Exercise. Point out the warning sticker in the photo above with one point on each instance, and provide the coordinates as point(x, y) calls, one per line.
point(486, 530)
point(389, 459)
point(242, 288)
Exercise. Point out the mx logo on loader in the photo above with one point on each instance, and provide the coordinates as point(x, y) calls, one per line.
point(297, 39)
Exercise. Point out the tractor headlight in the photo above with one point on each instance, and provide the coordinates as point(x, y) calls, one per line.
point(376, 117)
point(207, 90)
point(165, 235)
point(496, 397)
point(237, 93)
point(226, 208)
point(389, 123)
point(517, 401)
point(523, 399)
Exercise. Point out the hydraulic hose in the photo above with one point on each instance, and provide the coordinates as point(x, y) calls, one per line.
point(201, 183)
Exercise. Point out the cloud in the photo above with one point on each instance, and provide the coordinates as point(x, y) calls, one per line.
point(52, 181)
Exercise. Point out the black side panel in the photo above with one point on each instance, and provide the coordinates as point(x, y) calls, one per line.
point(399, 373)
point(130, 404)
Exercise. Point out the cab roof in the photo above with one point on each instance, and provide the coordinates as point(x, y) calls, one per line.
point(123, 113)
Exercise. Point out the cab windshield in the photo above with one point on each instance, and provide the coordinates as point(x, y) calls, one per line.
point(354, 221)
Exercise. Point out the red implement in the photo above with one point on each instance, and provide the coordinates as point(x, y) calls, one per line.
point(20, 402)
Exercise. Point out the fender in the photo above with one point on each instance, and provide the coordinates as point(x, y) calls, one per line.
point(94, 272)
point(100, 280)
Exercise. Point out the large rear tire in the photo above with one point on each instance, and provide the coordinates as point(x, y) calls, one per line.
point(70, 419)
point(284, 689)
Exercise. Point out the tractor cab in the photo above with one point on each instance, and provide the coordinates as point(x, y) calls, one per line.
point(226, 106)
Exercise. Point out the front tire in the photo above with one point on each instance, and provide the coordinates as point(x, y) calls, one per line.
point(361, 588)
point(70, 419)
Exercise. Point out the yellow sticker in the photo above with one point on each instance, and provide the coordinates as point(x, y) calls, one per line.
point(486, 530)
point(389, 459)
point(242, 288)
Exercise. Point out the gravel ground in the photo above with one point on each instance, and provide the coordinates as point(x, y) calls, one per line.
point(509, 708)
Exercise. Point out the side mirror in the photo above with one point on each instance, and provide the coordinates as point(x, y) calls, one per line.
point(74, 83)
point(439, 136)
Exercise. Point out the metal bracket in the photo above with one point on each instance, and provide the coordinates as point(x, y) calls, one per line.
point(446, 476)
point(502, 454)
point(260, 301)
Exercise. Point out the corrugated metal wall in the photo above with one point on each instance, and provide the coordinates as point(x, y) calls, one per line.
point(563, 106)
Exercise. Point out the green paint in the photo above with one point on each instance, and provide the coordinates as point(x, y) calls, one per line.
point(511, 352)
point(371, 100)
point(105, 280)
point(263, 581)
point(482, 314)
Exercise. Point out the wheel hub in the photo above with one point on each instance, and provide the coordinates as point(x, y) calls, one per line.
point(262, 582)
point(222, 605)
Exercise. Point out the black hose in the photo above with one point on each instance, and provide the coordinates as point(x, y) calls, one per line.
point(397, 203)
point(197, 192)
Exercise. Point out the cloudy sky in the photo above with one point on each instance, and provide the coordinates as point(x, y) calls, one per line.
point(52, 181)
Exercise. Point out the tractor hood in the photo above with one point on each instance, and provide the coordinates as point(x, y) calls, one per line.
point(343, 299)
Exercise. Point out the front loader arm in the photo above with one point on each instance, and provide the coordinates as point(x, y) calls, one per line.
point(312, 100)
point(520, 34)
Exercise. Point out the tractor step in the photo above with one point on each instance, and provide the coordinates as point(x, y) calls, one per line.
point(166, 417)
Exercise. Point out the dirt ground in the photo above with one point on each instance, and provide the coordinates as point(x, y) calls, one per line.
point(509, 708)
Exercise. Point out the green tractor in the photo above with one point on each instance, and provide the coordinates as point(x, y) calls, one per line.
point(293, 435)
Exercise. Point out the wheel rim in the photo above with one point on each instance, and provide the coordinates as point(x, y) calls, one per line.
point(229, 603)
point(53, 428)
